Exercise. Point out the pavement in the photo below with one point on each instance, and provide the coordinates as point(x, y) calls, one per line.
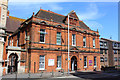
point(60, 76)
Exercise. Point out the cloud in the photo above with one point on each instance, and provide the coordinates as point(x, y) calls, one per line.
point(91, 13)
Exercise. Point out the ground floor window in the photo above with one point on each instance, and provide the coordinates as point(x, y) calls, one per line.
point(42, 62)
point(85, 61)
point(58, 61)
point(95, 61)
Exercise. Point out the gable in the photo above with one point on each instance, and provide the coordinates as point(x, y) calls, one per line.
point(73, 14)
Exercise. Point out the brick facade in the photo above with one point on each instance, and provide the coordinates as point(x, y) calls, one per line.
point(32, 48)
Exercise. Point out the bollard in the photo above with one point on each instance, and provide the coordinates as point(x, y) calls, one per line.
point(41, 74)
point(29, 74)
point(63, 71)
point(52, 73)
point(16, 75)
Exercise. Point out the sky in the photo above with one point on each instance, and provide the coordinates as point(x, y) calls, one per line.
point(97, 15)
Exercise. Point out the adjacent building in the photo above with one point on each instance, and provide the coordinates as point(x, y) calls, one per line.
point(109, 52)
point(3, 17)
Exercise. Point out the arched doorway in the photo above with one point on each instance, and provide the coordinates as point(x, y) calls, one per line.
point(73, 63)
point(13, 61)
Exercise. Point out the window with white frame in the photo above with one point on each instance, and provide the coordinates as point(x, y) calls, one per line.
point(85, 61)
point(58, 61)
point(42, 62)
point(42, 35)
point(58, 38)
point(93, 42)
point(84, 41)
point(73, 39)
point(95, 63)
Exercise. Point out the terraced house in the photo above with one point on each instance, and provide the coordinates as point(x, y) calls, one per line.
point(41, 44)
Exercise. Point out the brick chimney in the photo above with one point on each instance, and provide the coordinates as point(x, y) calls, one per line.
point(8, 13)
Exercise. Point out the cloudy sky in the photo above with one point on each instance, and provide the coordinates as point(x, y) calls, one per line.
point(97, 15)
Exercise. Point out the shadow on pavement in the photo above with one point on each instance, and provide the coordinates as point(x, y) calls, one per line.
point(97, 75)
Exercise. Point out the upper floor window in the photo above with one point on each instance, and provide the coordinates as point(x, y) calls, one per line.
point(118, 51)
point(25, 35)
point(115, 44)
point(18, 37)
point(84, 41)
point(115, 58)
point(101, 43)
point(105, 44)
point(105, 51)
point(101, 51)
point(12, 41)
point(42, 35)
point(93, 42)
point(101, 59)
point(115, 51)
point(58, 38)
point(73, 39)
point(105, 59)
point(119, 59)
point(119, 45)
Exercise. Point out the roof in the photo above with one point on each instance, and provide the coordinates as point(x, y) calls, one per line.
point(13, 23)
point(55, 17)
point(110, 40)
point(49, 15)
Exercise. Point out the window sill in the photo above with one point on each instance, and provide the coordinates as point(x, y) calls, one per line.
point(58, 44)
point(95, 66)
point(84, 46)
point(85, 66)
point(42, 42)
point(73, 45)
point(41, 69)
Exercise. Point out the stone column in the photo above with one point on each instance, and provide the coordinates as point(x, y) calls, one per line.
point(1, 54)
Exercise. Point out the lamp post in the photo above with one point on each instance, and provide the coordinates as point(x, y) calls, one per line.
point(68, 43)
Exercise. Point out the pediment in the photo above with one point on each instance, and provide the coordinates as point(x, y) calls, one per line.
point(74, 49)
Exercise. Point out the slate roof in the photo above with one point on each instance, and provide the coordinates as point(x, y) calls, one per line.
point(13, 23)
point(49, 15)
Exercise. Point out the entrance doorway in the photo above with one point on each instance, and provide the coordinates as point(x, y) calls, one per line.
point(73, 63)
point(13, 61)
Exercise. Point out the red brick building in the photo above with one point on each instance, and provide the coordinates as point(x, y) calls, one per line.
point(41, 44)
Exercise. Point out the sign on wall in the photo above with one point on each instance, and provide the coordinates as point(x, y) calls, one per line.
point(90, 62)
point(50, 62)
